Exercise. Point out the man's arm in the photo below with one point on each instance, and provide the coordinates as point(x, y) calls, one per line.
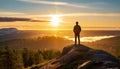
point(80, 28)
point(74, 29)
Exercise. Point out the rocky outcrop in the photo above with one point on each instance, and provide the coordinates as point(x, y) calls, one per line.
point(83, 57)
point(100, 60)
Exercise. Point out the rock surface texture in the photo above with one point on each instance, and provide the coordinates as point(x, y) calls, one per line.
point(90, 58)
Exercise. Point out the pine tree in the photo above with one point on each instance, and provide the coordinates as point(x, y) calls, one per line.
point(11, 59)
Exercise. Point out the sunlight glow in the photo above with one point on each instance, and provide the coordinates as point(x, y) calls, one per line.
point(55, 20)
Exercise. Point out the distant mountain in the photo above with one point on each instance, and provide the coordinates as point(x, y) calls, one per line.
point(7, 31)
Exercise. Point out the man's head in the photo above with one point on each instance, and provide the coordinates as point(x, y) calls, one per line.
point(77, 23)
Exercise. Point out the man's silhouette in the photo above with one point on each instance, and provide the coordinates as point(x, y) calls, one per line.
point(77, 30)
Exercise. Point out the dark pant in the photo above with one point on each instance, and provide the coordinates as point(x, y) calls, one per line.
point(77, 36)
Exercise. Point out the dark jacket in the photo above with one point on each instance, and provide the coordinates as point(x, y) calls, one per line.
point(77, 29)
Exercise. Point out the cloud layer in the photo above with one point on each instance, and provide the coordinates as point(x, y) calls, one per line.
point(11, 19)
point(54, 3)
point(25, 15)
point(10, 13)
point(80, 14)
point(92, 14)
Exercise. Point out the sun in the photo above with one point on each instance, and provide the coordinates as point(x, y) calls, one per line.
point(55, 20)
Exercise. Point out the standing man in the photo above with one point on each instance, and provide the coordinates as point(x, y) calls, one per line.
point(77, 30)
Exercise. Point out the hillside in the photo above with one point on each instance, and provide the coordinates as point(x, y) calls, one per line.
point(46, 42)
point(111, 45)
point(8, 31)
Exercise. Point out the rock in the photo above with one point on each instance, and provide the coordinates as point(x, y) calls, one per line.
point(88, 64)
point(98, 59)
point(97, 65)
point(75, 47)
point(72, 52)
point(69, 54)
point(67, 49)
point(53, 64)
point(102, 56)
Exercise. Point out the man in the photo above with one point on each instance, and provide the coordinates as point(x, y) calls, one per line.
point(77, 30)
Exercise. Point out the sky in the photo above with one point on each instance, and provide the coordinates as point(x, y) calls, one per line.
point(60, 14)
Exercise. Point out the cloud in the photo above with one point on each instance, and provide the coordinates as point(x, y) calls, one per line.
point(79, 14)
point(92, 14)
point(11, 13)
point(11, 19)
point(55, 3)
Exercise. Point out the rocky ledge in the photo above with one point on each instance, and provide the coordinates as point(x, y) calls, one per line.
point(83, 57)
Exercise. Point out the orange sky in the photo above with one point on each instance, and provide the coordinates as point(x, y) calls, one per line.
point(40, 14)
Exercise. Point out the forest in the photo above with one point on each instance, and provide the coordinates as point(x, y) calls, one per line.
point(24, 58)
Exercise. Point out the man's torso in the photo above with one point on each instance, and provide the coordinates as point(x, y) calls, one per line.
point(77, 29)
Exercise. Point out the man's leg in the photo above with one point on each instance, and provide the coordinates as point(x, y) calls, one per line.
point(75, 39)
point(78, 39)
